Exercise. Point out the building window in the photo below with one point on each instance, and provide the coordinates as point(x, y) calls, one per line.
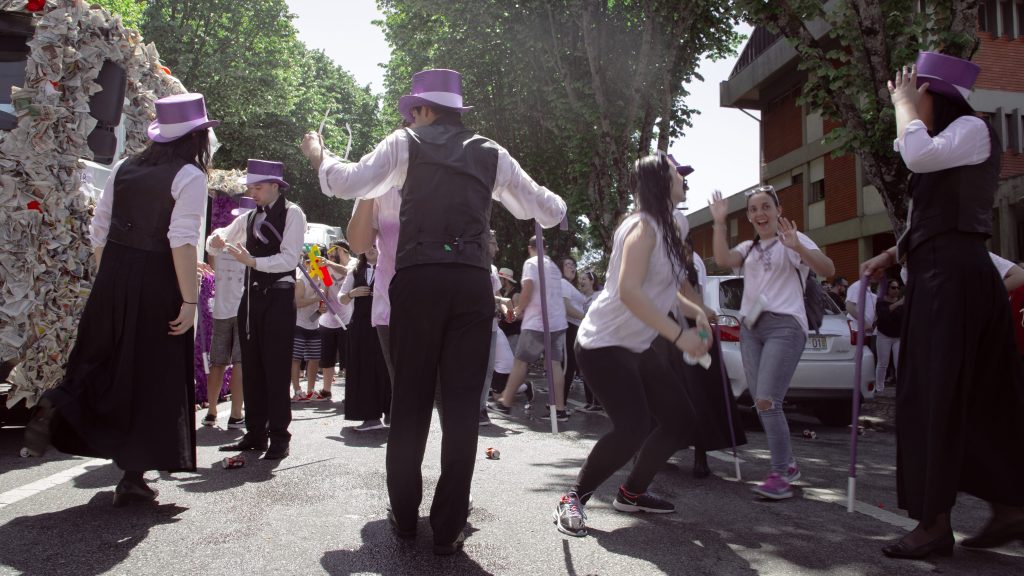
point(817, 191)
point(1019, 10)
point(983, 21)
point(1006, 9)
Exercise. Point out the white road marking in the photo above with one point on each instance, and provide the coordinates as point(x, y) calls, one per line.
point(33, 488)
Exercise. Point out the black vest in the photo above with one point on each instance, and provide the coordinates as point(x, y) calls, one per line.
point(141, 211)
point(956, 199)
point(276, 218)
point(446, 201)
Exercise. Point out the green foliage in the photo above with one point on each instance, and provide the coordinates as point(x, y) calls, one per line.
point(266, 87)
point(130, 11)
point(847, 69)
point(576, 91)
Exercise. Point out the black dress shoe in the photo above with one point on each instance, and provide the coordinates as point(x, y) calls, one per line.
point(403, 533)
point(131, 493)
point(451, 547)
point(277, 451)
point(701, 469)
point(996, 537)
point(37, 432)
point(245, 445)
point(941, 546)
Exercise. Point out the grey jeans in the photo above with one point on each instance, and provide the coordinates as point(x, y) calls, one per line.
point(771, 352)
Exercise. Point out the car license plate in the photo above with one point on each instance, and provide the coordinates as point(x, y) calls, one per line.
point(816, 343)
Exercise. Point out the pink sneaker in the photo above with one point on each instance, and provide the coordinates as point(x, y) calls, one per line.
point(774, 487)
point(792, 472)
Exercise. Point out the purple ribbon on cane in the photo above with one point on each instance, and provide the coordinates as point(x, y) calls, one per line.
point(332, 305)
point(851, 488)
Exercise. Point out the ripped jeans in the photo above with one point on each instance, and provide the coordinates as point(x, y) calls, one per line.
point(770, 355)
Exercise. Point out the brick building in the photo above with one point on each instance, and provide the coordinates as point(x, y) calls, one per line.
point(829, 198)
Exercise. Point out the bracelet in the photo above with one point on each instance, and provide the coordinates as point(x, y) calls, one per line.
point(678, 336)
point(187, 302)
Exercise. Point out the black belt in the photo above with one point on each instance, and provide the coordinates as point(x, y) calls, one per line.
point(279, 285)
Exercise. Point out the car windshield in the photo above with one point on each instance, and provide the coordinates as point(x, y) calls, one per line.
point(730, 296)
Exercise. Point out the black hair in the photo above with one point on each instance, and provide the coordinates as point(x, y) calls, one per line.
point(561, 265)
point(651, 184)
point(945, 110)
point(445, 115)
point(193, 148)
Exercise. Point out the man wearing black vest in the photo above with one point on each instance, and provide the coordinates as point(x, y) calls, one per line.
point(272, 235)
point(441, 298)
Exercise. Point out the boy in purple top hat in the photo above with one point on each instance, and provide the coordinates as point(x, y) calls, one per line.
point(441, 298)
point(268, 241)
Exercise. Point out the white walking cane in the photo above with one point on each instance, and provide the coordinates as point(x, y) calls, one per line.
point(851, 484)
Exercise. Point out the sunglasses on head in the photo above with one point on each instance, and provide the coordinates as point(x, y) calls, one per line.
point(766, 189)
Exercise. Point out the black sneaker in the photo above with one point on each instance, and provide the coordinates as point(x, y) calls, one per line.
point(236, 423)
point(645, 502)
point(210, 420)
point(560, 415)
point(499, 408)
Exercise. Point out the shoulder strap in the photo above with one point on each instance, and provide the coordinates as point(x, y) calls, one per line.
point(755, 242)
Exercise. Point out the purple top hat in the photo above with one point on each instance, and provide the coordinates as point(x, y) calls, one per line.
point(245, 204)
point(684, 171)
point(264, 171)
point(947, 75)
point(179, 115)
point(433, 88)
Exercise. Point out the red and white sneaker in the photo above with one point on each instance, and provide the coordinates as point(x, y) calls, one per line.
point(301, 396)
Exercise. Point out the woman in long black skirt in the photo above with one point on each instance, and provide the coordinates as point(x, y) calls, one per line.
point(129, 393)
point(960, 394)
point(367, 383)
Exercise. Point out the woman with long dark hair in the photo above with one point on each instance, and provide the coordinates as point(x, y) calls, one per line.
point(960, 392)
point(614, 350)
point(129, 392)
point(367, 383)
point(575, 308)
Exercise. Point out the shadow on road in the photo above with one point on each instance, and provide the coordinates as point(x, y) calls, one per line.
point(369, 439)
point(88, 539)
point(382, 552)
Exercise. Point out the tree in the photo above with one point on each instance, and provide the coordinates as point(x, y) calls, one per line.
point(575, 90)
point(847, 69)
point(266, 87)
point(130, 11)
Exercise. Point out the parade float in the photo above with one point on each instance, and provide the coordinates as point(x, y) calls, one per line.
point(77, 95)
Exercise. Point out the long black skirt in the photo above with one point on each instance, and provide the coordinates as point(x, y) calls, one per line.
point(960, 393)
point(367, 383)
point(128, 392)
point(710, 428)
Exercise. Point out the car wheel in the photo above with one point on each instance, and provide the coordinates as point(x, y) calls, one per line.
point(833, 412)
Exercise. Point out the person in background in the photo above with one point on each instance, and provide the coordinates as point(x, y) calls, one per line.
point(306, 341)
point(889, 315)
point(367, 383)
point(575, 307)
point(838, 290)
point(333, 330)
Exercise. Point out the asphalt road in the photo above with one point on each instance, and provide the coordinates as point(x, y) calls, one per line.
point(321, 510)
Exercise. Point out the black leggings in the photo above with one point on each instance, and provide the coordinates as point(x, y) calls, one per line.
point(633, 387)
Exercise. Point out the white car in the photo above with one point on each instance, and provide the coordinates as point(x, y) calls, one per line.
point(321, 234)
point(824, 377)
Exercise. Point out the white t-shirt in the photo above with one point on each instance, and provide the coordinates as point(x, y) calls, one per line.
point(532, 319)
point(853, 295)
point(495, 289)
point(576, 298)
point(230, 283)
point(702, 272)
point(608, 322)
point(327, 319)
point(771, 271)
point(307, 317)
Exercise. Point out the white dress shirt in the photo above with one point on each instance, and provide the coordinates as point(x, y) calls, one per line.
point(291, 240)
point(965, 142)
point(189, 192)
point(386, 167)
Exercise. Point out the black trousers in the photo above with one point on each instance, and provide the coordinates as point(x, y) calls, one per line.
point(440, 336)
point(632, 387)
point(570, 357)
point(266, 323)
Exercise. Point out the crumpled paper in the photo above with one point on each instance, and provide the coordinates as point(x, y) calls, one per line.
point(45, 257)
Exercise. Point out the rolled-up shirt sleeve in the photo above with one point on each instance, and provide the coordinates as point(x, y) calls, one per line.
point(231, 234)
point(523, 197)
point(99, 227)
point(965, 142)
point(291, 244)
point(190, 193)
point(374, 174)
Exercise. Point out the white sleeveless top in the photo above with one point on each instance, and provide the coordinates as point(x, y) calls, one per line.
point(608, 322)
